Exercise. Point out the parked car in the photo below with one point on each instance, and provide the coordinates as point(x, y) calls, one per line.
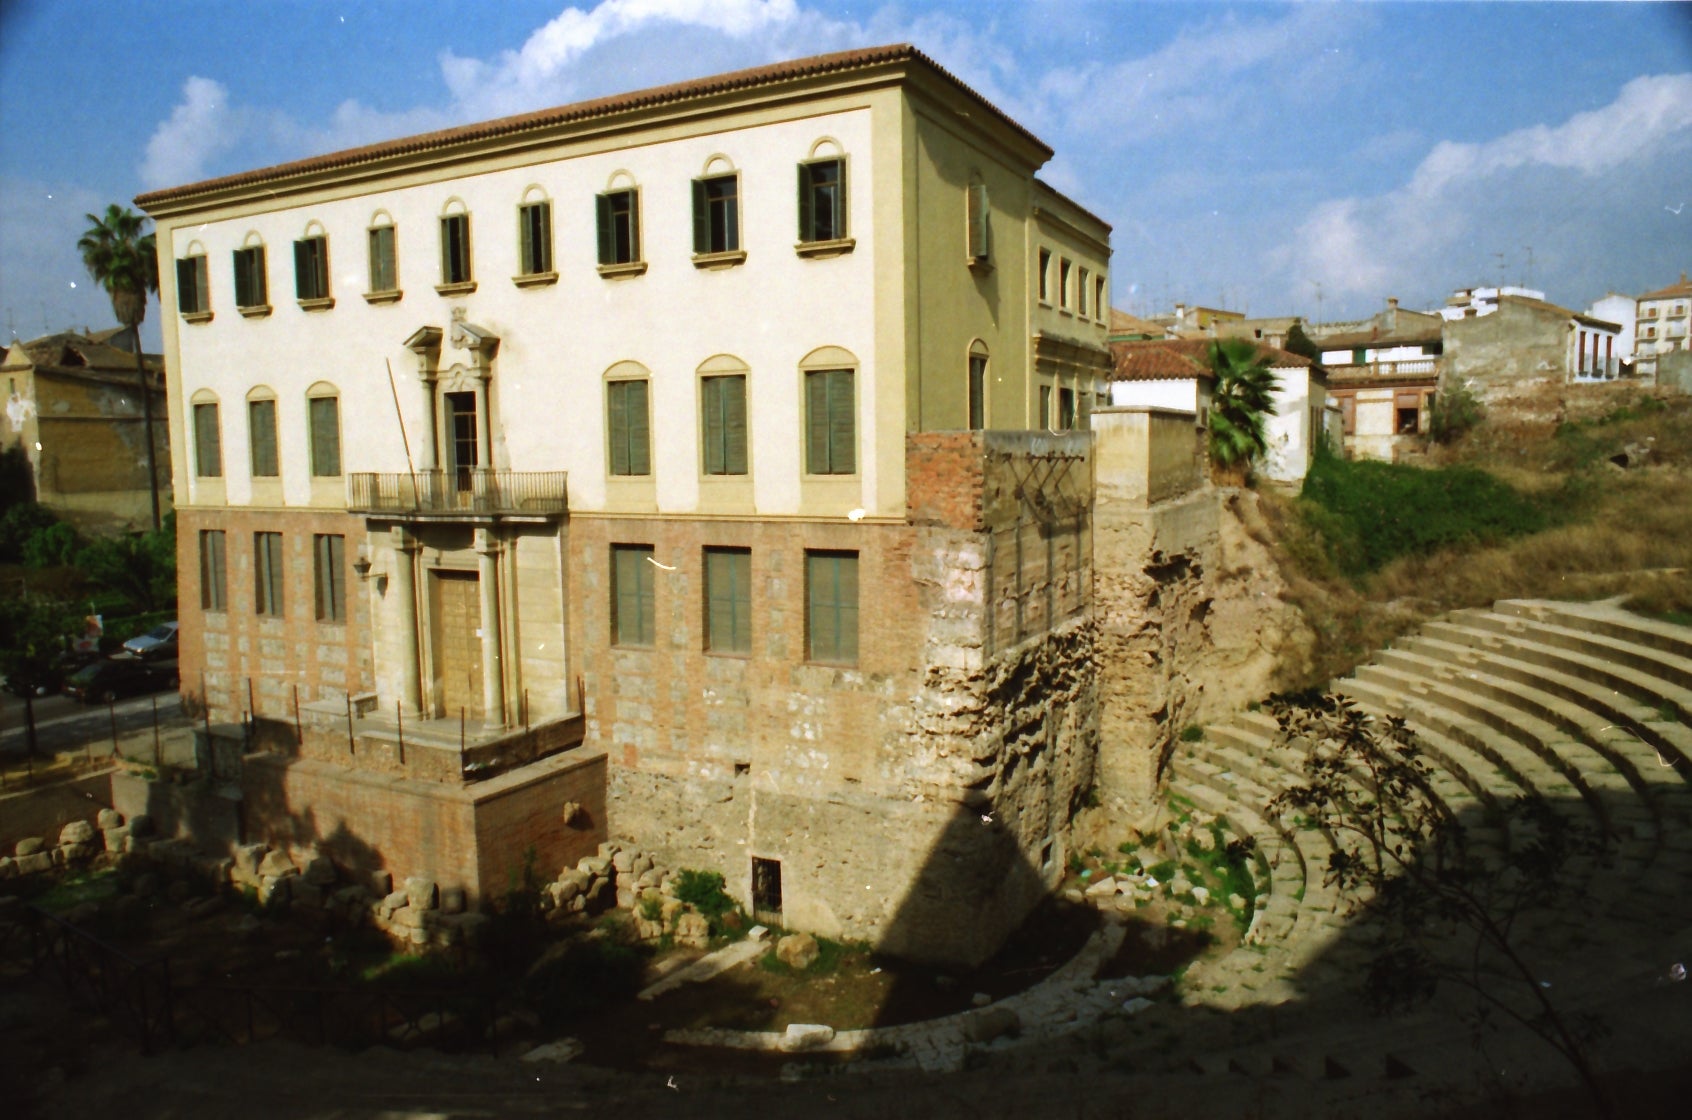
point(160, 641)
point(105, 681)
point(68, 663)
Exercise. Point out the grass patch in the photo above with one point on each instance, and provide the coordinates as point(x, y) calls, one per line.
point(1367, 514)
point(74, 890)
point(830, 954)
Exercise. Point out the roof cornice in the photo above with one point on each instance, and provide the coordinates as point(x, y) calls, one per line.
point(893, 63)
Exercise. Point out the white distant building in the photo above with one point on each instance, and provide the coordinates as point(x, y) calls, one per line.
point(1665, 320)
point(1622, 311)
point(1470, 303)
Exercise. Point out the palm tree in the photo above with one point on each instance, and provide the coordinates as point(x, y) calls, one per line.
point(125, 262)
point(1244, 398)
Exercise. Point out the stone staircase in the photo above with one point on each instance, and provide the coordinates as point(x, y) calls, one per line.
point(1585, 706)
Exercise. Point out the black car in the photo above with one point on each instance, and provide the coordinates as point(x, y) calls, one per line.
point(61, 669)
point(105, 681)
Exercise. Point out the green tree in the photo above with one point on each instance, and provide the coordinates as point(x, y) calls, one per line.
point(1243, 400)
point(32, 637)
point(1299, 343)
point(124, 261)
point(139, 566)
point(1453, 412)
point(1437, 912)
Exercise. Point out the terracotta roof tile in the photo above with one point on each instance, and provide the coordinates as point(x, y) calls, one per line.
point(1684, 288)
point(774, 74)
point(1181, 358)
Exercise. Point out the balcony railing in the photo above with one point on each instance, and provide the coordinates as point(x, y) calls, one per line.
point(483, 490)
point(1408, 368)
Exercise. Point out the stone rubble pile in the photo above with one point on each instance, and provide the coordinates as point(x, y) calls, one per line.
point(80, 843)
point(629, 879)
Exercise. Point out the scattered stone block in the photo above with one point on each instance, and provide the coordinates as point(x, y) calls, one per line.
point(1201, 895)
point(276, 864)
point(797, 951)
point(452, 900)
point(421, 893)
point(980, 999)
point(1235, 902)
point(564, 1050)
point(757, 933)
point(77, 853)
point(34, 863)
point(29, 846)
point(805, 1036)
point(108, 818)
point(623, 861)
point(395, 900)
point(991, 1023)
point(115, 839)
point(1103, 888)
point(320, 871)
point(692, 930)
point(76, 832)
point(595, 866)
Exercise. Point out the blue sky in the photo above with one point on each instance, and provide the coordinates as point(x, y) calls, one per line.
point(1249, 155)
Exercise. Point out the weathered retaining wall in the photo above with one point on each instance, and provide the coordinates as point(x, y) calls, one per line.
point(921, 798)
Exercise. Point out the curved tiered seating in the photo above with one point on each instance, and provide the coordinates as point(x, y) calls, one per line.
point(1584, 706)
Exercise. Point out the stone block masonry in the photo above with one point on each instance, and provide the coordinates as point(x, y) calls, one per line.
point(918, 798)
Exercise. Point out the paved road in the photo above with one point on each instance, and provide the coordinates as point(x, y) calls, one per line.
point(64, 726)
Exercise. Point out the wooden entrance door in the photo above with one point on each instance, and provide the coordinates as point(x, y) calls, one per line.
point(458, 647)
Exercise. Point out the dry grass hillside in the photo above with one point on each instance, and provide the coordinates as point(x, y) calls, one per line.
point(1372, 550)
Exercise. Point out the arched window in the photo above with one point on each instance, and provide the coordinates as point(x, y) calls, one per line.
point(722, 415)
point(252, 287)
point(628, 419)
point(261, 433)
point(323, 417)
point(384, 259)
point(831, 418)
point(208, 436)
point(977, 388)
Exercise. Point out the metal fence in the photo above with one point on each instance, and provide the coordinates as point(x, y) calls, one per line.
point(475, 490)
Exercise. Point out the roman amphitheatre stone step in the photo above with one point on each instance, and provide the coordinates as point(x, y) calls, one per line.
point(1647, 681)
point(1656, 663)
point(1603, 703)
point(1606, 743)
point(1605, 618)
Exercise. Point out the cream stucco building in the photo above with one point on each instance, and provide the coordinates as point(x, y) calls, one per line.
point(581, 473)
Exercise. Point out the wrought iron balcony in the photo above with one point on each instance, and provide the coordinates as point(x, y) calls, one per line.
point(482, 490)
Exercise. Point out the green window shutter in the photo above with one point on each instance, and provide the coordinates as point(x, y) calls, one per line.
point(617, 420)
point(208, 453)
point(977, 207)
point(831, 580)
point(607, 233)
point(243, 281)
point(842, 428)
point(816, 422)
point(633, 198)
point(187, 292)
point(303, 271)
point(734, 425)
point(325, 437)
point(260, 286)
point(840, 227)
point(806, 229)
point(261, 423)
point(528, 247)
point(728, 580)
point(640, 461)
point(545, 255)
point(701, 219)
point(632, 595)
point(711, 396)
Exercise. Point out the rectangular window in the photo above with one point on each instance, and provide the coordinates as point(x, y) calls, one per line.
point(1066, 409)
point(831, 607)
point(212, 570)
point(250, 287)
point(631, 594)
point(384, 266)
point(716, 214)
point(330, 554)
point(325, 437)
point(455, 249)
point(830, 422)
point(980, 234)
point(822, 200)
point(311, 268)
point(728, 600)
point(193, 293)
point(618, 218)
point(534, 231)
point(1046, 407)
point(629, 427)
point(977, 392)
point(462, 438)
point(267, 573)
point(1082, 278)
point(1045, 276)
point(261, 433)
point(208, 443)
point(1100, 297)
point(723, 402)
point(1064, 267)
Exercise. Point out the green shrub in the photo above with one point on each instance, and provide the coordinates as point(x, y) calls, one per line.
point(703, 890)
point(1369, 513)
point(1453, 413)
point(1192, 733)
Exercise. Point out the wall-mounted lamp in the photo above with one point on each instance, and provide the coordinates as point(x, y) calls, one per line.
point(361, 565)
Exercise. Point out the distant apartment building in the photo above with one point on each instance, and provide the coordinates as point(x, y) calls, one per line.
point(1664, 321)
point(694, 465)
point(1623, 311)
point(1525, 338)
point(1382, 374)
point(74, 410)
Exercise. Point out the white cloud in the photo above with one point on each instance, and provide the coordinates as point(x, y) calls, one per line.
point(201, 127)
point(1573, 190)
point(44, 287)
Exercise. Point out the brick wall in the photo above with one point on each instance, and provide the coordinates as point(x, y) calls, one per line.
point(223, 650)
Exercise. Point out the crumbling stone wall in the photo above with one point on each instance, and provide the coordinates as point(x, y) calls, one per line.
point(1192, 623)
point(920, 800)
